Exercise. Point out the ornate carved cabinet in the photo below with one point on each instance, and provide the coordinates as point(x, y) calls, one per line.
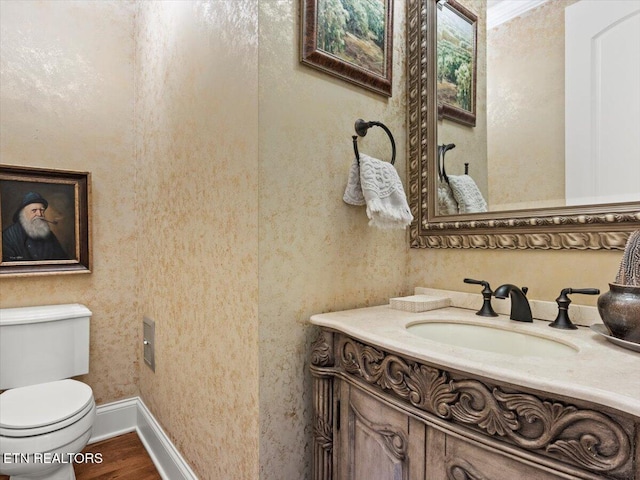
point(379, 415)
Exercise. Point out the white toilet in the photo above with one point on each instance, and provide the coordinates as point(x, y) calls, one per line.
point(45, 416)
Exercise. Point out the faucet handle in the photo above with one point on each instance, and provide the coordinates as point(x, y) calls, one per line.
point(487, 309)
point(562, 320)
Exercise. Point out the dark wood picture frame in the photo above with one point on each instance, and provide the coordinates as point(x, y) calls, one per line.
point(457, 37)
point(331, 50)
point(64, 199)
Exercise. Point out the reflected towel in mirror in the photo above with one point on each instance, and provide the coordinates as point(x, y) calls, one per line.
point(376, 184)
point(447, 204)
point(467, 194)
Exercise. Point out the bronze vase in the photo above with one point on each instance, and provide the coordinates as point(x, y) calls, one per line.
point(619, 309)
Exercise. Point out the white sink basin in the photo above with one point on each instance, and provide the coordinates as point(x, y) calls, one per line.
point(491, 339)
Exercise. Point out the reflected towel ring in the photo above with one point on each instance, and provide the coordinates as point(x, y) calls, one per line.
point(361, 129)
point(442, 149)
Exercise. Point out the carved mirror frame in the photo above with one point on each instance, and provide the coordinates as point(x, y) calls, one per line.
point(591, 227)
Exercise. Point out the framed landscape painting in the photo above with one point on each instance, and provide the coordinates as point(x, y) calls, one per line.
point(456, 56)
point(350, 39)
point(45, 221)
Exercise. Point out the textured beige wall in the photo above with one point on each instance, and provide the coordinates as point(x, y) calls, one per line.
point(317, 253)
point(525, 65)
point(218, 212)
point(544, 272)
point(66, 102)
point(197, 170)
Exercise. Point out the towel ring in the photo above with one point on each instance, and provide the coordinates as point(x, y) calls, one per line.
point(361, 129)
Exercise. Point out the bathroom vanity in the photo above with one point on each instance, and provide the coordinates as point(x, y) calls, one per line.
point(391, 403)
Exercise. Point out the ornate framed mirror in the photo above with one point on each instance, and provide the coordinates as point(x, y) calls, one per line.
point(543, 210)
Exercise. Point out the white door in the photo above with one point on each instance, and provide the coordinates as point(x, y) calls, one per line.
point(602, 96)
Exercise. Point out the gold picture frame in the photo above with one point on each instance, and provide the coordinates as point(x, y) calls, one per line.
point(45, 218)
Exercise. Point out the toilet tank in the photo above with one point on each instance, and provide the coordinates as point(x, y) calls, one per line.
point(43, 344)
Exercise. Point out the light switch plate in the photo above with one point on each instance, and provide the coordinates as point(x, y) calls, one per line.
point(149, 339)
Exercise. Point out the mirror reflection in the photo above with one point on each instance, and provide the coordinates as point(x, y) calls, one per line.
point(555, 104)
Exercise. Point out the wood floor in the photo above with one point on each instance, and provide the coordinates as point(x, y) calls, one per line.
point(123, 458)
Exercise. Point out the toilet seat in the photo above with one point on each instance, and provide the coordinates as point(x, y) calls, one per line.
point(23, 413)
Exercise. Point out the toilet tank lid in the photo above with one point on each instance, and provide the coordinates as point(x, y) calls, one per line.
point(44, 313)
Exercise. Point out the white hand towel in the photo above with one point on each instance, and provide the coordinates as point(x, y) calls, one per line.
point(447, 204)
point(353, 193)
point(377, 184)
point(467, 194)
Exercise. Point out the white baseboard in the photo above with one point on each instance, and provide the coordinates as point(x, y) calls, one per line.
point(123, 416)
point(116, 418)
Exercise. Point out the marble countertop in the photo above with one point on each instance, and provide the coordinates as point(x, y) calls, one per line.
point(599, 371)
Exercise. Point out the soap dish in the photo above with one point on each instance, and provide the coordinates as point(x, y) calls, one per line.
point(419, 303)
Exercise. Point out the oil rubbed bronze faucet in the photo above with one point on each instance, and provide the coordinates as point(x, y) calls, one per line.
point(520, 308)
point(487, 309)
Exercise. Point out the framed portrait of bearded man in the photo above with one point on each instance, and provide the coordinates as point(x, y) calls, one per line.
point(45, 221)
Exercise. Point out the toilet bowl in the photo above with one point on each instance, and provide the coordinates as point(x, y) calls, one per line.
point(42, 429)
point(46, 418)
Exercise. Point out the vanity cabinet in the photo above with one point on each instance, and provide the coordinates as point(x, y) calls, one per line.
point(376, 440)
point(379, 415)
point(466, 460)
